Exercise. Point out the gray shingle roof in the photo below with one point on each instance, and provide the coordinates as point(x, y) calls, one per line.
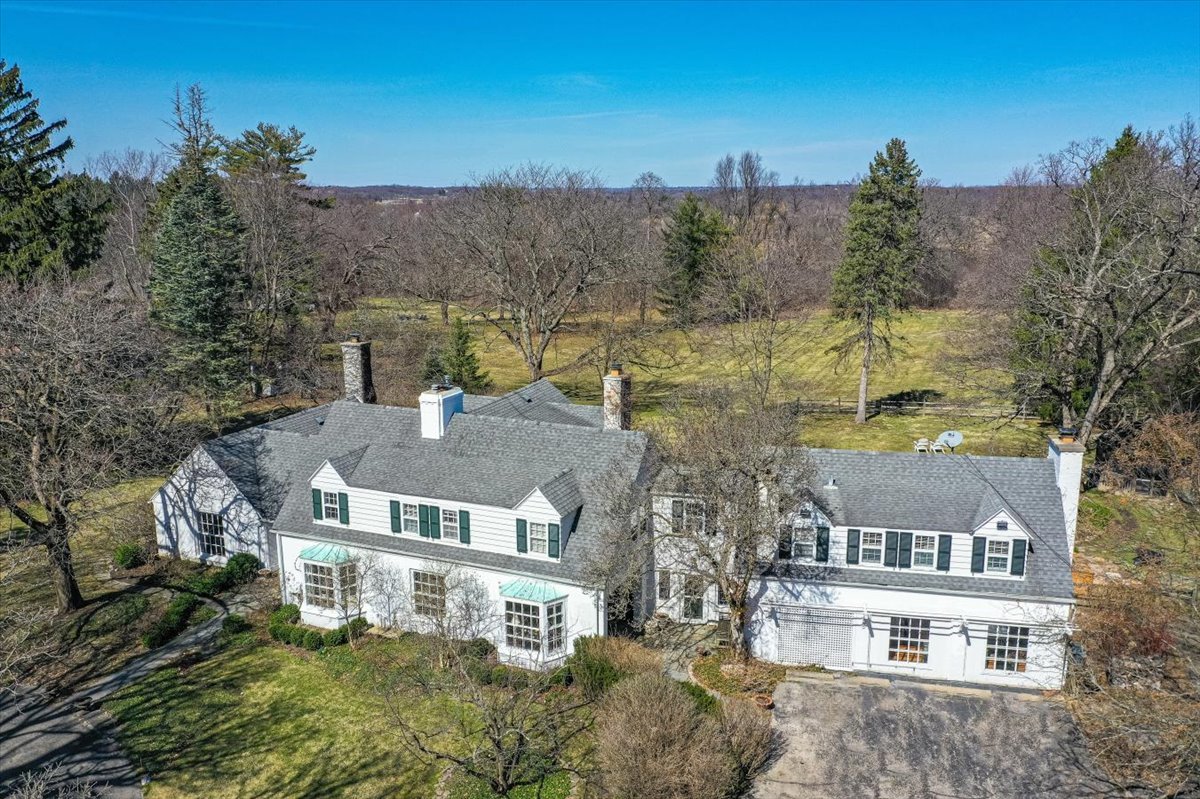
point(487, 459)
point(947, 493)
point(563, 492)
point(542, 402)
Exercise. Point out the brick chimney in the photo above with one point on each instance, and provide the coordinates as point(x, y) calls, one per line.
point(1067, 456)
point(618, 399)
point(356, 369)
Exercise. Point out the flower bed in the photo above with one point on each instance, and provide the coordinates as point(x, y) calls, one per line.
point(725, 674)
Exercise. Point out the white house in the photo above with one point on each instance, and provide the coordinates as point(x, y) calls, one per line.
point(498, 491)
point(949, 567)
point(930, 566)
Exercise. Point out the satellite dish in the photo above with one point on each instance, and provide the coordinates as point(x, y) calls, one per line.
point(951, 439)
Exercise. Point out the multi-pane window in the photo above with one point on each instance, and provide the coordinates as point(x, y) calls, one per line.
point(212, 535)
point(798, 541)
point(872, 547)
point(330, 503)
point(693, 597)
point(556, 628)
point(687, 516)
point(348, 582)
point(664, 584)
point(997, 555)
point(450, 524)
point(537, 537)
point(318, 585)
point(908, 640)
point(522, 625)
point(412, 519)
point(924, 550)
point(1007, 648)
point(429, 593)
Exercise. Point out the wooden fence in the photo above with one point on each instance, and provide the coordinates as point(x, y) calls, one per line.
point(919, 408)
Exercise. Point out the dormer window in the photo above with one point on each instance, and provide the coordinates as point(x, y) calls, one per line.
point(998, 556)
point(924, 548)
point(330, 504)
point(1002, 525)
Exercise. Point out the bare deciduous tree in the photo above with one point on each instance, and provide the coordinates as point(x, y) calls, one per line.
point(1117, 288)
point(82, 405)
point(532, 242)
point(739, 467)
point(132, 178)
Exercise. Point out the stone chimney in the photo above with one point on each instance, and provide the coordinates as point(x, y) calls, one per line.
point(438, 406)
point(356, 369)
point(618, 399)
point(1067, 456)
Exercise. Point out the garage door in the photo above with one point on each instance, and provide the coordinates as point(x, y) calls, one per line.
point(816, 636)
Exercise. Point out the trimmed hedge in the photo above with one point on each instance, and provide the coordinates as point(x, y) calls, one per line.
point(283, 625)
point(173, 621)
point(129, 556)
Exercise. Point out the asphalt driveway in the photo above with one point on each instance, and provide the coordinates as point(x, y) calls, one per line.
point(853, 738)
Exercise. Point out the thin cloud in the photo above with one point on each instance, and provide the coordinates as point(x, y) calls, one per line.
point(567, 117)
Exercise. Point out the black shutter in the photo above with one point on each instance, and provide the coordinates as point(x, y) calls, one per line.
point(423, 520)
point(784, 548)
point(891, 544)
point(464, 527)
point(852, 546)
point(318, 510)
point(395, 516)
point(905, 555)
point(978, 554)
point(552, 540)
point(343, 508)
point(522, 536)
point(822, 544)
point(1018, 558)
point(677, 515)
point(435, 521)
point(943, 556)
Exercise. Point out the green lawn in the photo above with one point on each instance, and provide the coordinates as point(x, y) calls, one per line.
point(261, 720)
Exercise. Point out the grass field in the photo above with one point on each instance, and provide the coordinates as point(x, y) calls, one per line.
point(1115, 525)
point(676, 360)
point(260, 720)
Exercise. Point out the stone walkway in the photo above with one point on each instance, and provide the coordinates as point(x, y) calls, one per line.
point(75, 734)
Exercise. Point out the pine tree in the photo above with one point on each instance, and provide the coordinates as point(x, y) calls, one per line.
point(876, 278)
point(694, 235)
point(458, 362)
point(196, 288)
point(50, 222)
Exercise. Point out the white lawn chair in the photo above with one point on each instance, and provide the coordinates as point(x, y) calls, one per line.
point(938, 447)
point(921, 445)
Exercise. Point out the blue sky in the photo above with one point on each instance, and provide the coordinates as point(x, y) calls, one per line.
point(432, 93)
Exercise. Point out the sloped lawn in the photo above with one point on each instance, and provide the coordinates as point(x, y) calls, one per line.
point(263, 721)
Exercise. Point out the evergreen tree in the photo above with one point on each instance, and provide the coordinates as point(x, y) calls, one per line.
point(694, 235)
point(269, 150)
point(196, 288)
point(457, 360)
point(49, 222)
point(875, 280)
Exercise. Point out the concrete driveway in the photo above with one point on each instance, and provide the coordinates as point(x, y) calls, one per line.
point(848, 737)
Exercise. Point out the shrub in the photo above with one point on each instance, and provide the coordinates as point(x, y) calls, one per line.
point(173, 621)
point(129, 556)
point(242, 568)
point(750, 739)
point(478, 649)
point(358, 626)
point(599, 662)
point(234, 624)
point(705, 702)
point(312, 640)
point(680, 754)
point(337, 637)
point(287, 614)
